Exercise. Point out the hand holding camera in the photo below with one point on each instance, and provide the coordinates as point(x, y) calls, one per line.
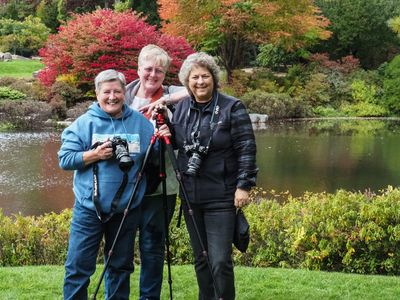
point(116, 148)
point(104, 150)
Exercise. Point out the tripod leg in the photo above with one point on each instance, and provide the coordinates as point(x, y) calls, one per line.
point(178, 174)
point(163, 176)
point(133, 194)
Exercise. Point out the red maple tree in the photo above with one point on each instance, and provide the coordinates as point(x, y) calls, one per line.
point(104, 39)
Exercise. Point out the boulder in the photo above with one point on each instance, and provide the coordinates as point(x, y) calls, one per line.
point(7, 56)
point(258, 118)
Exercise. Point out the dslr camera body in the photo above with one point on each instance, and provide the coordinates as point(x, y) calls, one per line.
point(120, 152)
point(196, 152)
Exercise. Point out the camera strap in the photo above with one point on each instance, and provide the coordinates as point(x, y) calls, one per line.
point(196, 131)
point(95, 197)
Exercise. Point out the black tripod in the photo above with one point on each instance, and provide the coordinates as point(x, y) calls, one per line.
point(165, 144)
point(160, 120)
point(126, 211)
point(162, 174)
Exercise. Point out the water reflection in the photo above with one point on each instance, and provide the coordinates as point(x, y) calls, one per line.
point(298, 156)
point(325, 155)
point(30, 180)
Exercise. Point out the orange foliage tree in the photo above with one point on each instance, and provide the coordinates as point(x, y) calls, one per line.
point(226, 27)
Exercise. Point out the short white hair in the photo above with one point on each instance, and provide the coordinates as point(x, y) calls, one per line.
point(156, 53)
point(109, 75)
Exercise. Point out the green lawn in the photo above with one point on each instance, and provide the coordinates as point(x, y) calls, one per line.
point(45, 282)
point(19, 68)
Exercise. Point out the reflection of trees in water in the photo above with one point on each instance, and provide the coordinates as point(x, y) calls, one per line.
point(355, 126)
point(315, 127)
point(325, 155)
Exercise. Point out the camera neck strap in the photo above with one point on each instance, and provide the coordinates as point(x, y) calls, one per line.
point(95, 197)
point(196, 130)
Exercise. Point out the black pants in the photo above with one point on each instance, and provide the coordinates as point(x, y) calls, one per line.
point(216, 227)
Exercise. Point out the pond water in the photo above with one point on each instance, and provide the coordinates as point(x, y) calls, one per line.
point(294, 156)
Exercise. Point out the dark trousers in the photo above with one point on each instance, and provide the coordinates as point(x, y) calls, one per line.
point(152, 244)
point(216, 227)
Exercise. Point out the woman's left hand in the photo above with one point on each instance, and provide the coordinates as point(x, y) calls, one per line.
point(241, 197)
point(163, 131)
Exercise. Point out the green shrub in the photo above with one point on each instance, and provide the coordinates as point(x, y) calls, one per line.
point(6, 127)
point(275, 105)
point(34, 240)
point(326, 111)
point(363, 109)
point(362, 92)
point(32, 88)
point(346, 231)
point(391, 85)
point(315, 90)
point(8, 93)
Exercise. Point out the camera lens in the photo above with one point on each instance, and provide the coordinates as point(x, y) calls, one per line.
point(193, 164)
point(121, 153)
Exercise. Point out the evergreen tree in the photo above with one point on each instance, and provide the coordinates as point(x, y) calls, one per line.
point(150, 9)
point(360, 28)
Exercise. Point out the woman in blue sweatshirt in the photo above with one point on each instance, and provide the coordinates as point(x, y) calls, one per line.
point(87, 149)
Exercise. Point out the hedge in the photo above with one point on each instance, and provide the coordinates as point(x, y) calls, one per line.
point(345, 231)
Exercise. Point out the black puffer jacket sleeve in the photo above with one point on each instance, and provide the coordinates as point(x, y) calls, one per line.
point(244, 145)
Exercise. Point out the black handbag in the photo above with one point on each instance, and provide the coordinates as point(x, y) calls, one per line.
point(241, 236)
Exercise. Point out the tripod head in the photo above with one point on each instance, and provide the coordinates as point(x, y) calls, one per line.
point(161, 119)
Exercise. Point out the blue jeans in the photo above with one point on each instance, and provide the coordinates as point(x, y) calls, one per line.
point(216, 227)
point(86, 234)
point(152, 244)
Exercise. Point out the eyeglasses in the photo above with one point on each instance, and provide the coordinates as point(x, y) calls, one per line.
point(149, 70)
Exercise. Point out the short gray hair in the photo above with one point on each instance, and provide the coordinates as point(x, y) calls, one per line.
point(199, 59)
point(153, 52)
point(109, 75)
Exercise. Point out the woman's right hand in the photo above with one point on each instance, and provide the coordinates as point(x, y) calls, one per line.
point(147, 109)
point(101, 152)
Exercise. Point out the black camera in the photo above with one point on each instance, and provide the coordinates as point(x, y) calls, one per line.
point(193, 164)
point(120, 152)
point(196, 154)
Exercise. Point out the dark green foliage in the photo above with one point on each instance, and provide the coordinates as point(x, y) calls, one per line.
point(47, 11)
point(277, 58)
point(391, 85)
point(17, 9)
point(150, 9)
point(83, 6)
point(360, 28)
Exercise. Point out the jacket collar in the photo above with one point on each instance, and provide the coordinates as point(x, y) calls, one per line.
point(209, 106)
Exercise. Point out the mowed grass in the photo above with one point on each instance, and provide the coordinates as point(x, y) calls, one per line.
point(19, 68)
point(45, 282)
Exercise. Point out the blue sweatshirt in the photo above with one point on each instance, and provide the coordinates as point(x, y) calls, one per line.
point(96, 125)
